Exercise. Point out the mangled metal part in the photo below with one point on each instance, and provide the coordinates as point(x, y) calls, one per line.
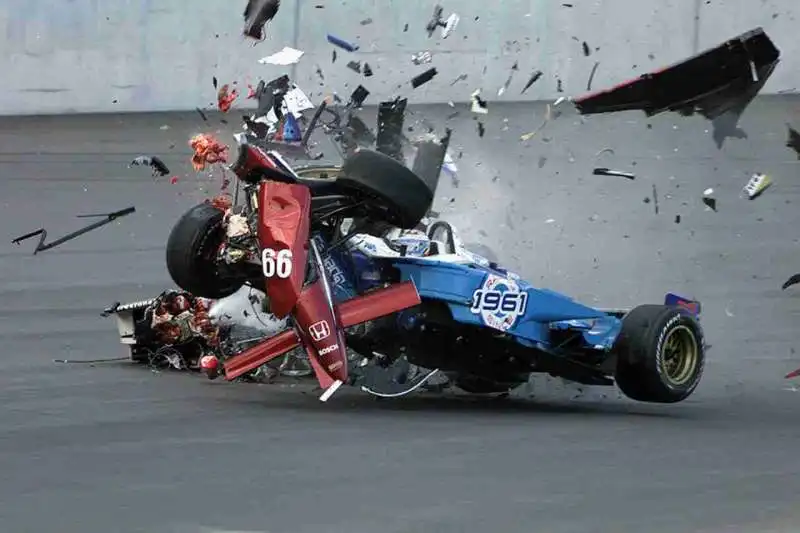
point(256, 15)
point(391, 118)
point(430, 159)
point(42, 246)
point(756, 186)
point(158, 166)
point(448, 25)
point(207, 150)
point(718, 83)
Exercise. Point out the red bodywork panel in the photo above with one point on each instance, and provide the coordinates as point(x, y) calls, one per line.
point(284, 219)
point(355, 311)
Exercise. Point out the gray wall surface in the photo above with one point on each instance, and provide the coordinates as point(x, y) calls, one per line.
point(146, 55)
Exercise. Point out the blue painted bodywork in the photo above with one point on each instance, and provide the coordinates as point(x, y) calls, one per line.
point(456, 284)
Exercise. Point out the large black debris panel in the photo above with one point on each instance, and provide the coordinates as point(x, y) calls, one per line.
point(711, 83)
point(256, 15)
point(391, 118)
point(430, 159)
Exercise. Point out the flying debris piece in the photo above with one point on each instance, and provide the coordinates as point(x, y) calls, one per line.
point(202, 114)
point(794, 280)
point(609, 172)
point(357, 98)
point(367, 70)
point(225, 98)
point(709, 200)
point(207, 151)
point(591, 75)
point(41, 246)
point(533, 79)
point(366, 22)
point(481, 129)
point(793, 374)
point(586, 51)
point(461, 77)
point(158, 166)
point(504, 88)
point(341, 43)
point(479, 105)
point(430, 159)
point(718, 83)
point(655, 199)
point(757, 185)
point(355, 66)
point(677, 219)
point(215, 82)
point(333, 56)
point(287, 56)
point(423, 78)
point(288, 130)
point(391, 118)
point(793, 140)
point(448, 26)
point(422, 58)
point(256, 15)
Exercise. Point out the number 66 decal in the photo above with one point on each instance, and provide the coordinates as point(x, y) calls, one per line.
point(276, 264)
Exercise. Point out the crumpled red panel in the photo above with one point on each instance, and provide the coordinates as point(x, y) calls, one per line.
point(226, 97)
point(207, 151)
point(223, 202)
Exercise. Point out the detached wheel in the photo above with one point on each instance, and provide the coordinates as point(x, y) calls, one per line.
point(393, 188)
point(660, 354)
point(191, 248)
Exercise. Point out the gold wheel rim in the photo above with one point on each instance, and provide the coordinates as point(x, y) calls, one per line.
point(319, 172)
point(680, 354)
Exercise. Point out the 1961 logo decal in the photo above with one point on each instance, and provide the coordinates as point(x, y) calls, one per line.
point(499, 302)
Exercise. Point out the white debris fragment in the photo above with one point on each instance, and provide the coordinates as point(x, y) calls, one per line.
point(287, 56)
point(549, 221)
point(450, 25)
point(449, 165)
point(708, 192)
point(422, 58)
point(478, 105)
point(560, 100)
point(757, 185)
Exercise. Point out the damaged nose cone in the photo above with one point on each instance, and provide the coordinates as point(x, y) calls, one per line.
point(209, 365)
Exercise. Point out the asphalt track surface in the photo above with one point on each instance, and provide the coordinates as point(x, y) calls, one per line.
point(113, 447)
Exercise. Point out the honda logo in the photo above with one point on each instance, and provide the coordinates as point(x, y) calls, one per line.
point(319, 330)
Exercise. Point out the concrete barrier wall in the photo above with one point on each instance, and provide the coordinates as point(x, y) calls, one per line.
point(150, 55)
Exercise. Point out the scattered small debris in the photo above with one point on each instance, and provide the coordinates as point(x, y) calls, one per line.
point(793, 140)
point(42, 246)
point(507, 84)
point(481, 129)
point(448, 26)
point(158, 166)
point(533, 79)
point(655, 198)
point(479, 105)
point(461, 77)
point(341, 43)
point(605, 151)
point(609, 172)
point(215, 82)
point(559, 86)
point(287, 56)
point(709, 200)
point(756, 186)
point(355, 66)
point(794, 280)
point(359, 95)
point(591, 75)
point(202, 114)
point(586, 50)
point(677, 219)
point(225, 98)
point(367, 70)
point(256, 15)
point(423, 78)
point(366, 22)
point(422, 58)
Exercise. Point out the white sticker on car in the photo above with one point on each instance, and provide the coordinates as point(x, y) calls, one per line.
point(500, 302)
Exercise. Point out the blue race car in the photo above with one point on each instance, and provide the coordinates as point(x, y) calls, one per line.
point(480, 325)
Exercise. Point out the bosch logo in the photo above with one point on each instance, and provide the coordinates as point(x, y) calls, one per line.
point(328, 349)
point(319, 330)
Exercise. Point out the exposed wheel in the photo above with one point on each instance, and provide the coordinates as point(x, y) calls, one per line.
point(660, 354)
point(403, 196)
point(191, 248)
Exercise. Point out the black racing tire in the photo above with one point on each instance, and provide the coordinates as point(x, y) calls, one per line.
point(191, 246)
point(402, 196)
point(660, 354)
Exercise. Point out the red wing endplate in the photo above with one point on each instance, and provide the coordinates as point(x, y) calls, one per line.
point(721, 79)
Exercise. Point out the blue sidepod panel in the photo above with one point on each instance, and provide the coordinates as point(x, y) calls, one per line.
point(489, 297)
